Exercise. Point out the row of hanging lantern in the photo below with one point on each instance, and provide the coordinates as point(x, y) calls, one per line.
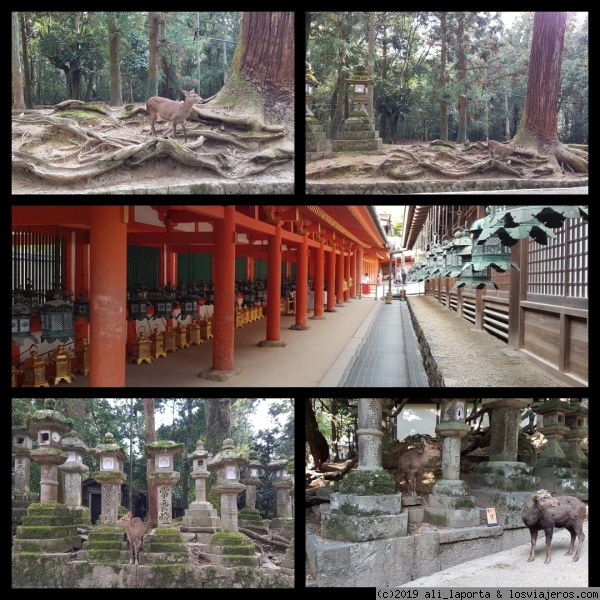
point(56, 315)
point(471, 257)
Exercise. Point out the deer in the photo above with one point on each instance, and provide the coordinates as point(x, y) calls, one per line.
point(500, 149)
point(412, 462)
point(134, 527)
point(170, 110)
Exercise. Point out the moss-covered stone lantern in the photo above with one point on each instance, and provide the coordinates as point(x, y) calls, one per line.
point(358, 131)
point(111, 456)
point(283, 483)
point(164, 476)
point(200, 517)
point(49, 526)
point(50, 426)
point(228, 463)
point(250, 516)
point(73, 468)
point(22, 497)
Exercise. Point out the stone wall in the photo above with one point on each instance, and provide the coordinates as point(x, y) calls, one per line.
point(343, 186)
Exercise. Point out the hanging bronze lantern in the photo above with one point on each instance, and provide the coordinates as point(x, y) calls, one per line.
point(81, 307)
point(56, 318)
point(187, 300)
point(162, 302)
point(21, 318)
point(137, 302)
point(459, 253)
point(513, 223)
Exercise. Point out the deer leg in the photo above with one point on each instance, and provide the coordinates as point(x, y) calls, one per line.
point(581, 540)
point(548, 545)
point(573, 538)
point(184, 133)
point(534, 535)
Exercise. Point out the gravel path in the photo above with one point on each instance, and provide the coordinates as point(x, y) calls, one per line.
point(467, 357)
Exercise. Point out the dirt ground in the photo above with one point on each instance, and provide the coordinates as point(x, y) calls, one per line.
point(406, 157)
point(95, 137)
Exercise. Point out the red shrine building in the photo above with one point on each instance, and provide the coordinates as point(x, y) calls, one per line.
point(85, 277)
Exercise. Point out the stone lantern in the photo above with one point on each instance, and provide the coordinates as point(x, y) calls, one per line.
point(317, 146)
point(358, 132)
point(250, 516)
point(228, 463)
point(50, 426)
point(111, 477)
point(59, 534)
point(200, 517)
point(73, 468)
point(164, 476)
point(554, 427)
point(282, 481)
point(21, 496)
point(450, 499)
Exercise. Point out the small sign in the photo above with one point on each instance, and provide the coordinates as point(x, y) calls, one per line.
point(490, 513)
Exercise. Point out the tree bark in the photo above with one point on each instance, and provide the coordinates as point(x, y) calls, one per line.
point(317, 443)
point(150, 436)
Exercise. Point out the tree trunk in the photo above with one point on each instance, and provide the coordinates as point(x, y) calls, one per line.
point(154, 20)
point(116, 95)
point(315, 439)
point(261, 78)
point(26, 65)
point(17, 78)
point(462, 77)
point(537, 129)
point(443, 105)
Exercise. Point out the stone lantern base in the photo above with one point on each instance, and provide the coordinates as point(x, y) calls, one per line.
point(317, 144)
point(231, 549)
point(250, 518)
point(358, 134)
point(61, 536)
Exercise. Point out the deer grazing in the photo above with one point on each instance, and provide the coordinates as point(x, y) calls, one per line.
point(412, 462)
point(170, 110)
point(134, 527)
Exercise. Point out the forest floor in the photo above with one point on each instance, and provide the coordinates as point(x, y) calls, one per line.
point(420, 161)
point(112, 150)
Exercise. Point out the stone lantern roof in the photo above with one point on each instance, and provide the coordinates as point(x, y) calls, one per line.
point(110, 446)
point(73, 442)
point(162, 447)
point(228, 455)
point(49, 417)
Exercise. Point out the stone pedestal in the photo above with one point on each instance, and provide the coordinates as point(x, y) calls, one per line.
point(450, 502)
point(317, 144)
point(358, 134)
point(73, 469)
point(504, 483)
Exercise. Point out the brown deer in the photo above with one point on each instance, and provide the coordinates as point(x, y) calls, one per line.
point(500, 149)
point(412, 462)
point(134, 527)
point(544, 511)
point(170, 110)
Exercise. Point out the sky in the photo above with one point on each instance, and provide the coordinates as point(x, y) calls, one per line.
point(260, 420)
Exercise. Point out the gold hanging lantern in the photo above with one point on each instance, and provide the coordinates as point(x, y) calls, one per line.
point(34, 370)
point(82, 356)
point(60, 365)
point(157, 344)
point(170, 340)
point(181, 336)
point(141, 349)
point(193, 333)
point(206, 329)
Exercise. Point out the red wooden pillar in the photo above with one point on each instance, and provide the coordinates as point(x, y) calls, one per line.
point(319, 281)
point(331, 260)
point(224, 317)
point(352, 284)
point(302, 286)
point(339, 292)
point(171, 274)
point(346, 278)
point(360, 270)
point(274, 292)
point(108, 295)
